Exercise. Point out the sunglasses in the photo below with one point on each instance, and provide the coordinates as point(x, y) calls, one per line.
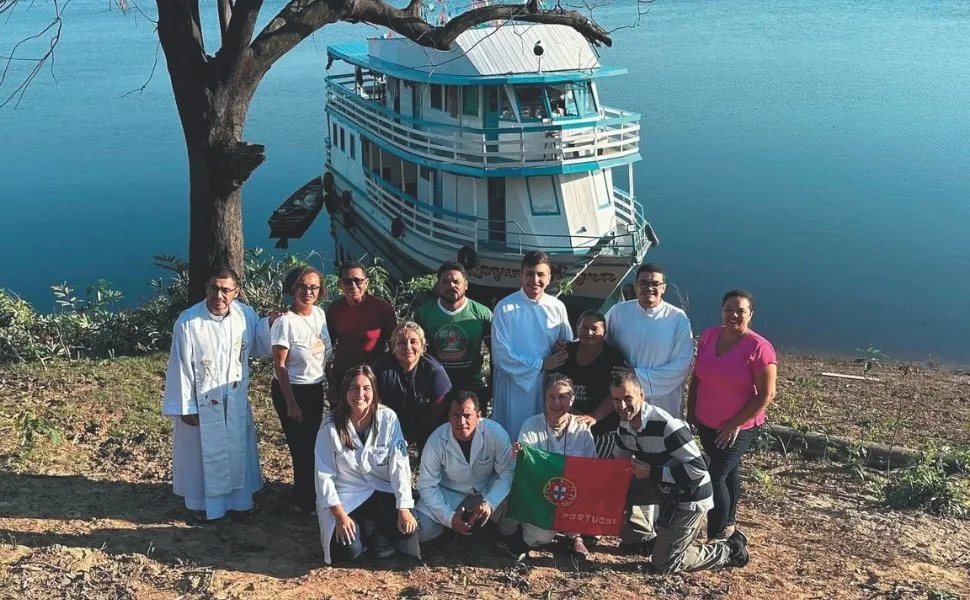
point(348, 281)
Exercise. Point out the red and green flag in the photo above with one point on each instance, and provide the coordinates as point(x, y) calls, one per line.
point(569, 494)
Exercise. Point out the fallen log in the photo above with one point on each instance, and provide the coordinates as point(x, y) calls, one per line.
point(820, 445)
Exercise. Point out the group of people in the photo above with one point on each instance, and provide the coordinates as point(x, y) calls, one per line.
point(350, 408)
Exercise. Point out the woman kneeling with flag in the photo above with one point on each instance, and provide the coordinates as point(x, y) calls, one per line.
point(556, 431)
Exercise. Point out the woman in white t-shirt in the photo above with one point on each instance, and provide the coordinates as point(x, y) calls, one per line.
point(301, 347)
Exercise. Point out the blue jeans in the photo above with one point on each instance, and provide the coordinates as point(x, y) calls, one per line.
point(725, 470)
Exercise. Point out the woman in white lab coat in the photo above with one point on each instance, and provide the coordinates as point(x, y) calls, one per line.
point(363, 474)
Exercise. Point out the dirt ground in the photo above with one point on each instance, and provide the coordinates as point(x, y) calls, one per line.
point(86, 509)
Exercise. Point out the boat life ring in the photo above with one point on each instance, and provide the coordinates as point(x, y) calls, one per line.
point(397, 227)
point(347, 198)
point(651, 235)
point(468, 257)
point(328, 182)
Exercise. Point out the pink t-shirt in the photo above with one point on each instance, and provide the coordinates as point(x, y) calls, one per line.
point(726, 383)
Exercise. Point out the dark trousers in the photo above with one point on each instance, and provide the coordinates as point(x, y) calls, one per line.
point(301, 438)
point(380, 509)
point(725, 470)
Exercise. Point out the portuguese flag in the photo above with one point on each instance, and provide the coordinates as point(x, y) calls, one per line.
point(569, 494)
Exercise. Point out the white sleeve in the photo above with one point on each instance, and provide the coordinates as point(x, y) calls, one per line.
point(512, 364)
point(261, 335)
point(565, 330)
point(179, 395)
point(326, 467)
point(527, 435)
point(280, 332)
point(499, 488)
point(610, 317)
point(429, 482)
point(663, 380)
point(400, 468)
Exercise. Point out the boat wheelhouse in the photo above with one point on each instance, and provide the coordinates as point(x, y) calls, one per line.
point(481, 154)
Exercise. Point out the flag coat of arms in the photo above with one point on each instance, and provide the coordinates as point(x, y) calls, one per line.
point(569, 494)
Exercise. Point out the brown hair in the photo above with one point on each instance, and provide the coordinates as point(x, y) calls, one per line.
point(341, 412)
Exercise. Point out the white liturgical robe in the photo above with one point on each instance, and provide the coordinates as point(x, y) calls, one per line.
point(524, 332)
point(215, 465)
point(576, 440)
point(658, 343)
point(349, 477)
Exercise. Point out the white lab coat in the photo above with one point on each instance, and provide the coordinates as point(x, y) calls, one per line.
point(215, 466)
point(576, 441)
point(524, 332)
point(446, 478)
point(349, 476)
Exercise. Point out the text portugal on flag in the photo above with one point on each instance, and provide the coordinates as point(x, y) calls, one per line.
point(569, 494)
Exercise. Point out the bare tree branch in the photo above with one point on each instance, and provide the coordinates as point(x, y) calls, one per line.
point(225, 13)
point(56, 24)
point(240, 32)
point(158, 47)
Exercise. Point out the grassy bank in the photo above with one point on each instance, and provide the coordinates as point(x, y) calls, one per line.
point(86, 508)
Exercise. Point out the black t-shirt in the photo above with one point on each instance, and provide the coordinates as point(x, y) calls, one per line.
point(592, 383)
point(466, 448)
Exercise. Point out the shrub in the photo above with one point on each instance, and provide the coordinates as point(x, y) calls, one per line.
point(926, 485)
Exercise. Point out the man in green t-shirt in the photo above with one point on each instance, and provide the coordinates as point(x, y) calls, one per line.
point(456, 328)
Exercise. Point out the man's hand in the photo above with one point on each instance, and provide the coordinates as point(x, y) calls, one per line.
point(638, 469)
point(481, 514)
point(587, 420)
point(191, 420)
point(516, 448)
point(460, 525)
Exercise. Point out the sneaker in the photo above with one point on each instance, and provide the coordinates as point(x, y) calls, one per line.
point(383, 548)
point(644, 547)
point(579, 550)
point(738, 545)
point(512, 545)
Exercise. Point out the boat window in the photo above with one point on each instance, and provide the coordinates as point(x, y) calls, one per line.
point(506, 104)
point(531, 104)
point(469, 101)
point(365, 152)
point(342, 146)
point(437, 100)
point(543, 195)
point(571, 99)
point(426, 173)
point(333, 138)
point(353, 147)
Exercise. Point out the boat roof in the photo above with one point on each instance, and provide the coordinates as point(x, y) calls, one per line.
point(502, 54)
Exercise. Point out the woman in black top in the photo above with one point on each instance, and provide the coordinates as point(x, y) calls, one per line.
point(589, 363)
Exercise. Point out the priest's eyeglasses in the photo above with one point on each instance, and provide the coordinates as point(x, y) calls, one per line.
point(215, 290)
point(644, 284)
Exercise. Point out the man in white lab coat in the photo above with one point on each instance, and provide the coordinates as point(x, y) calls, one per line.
point(530, 330)
point(466, 472)
point(215, 461)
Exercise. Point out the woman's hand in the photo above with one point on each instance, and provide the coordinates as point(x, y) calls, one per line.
point(406, 523)
point(726, 435)
point(346, 530)
point(516, 448)
point(638, 469)
point(587, 420)
point(293, 412)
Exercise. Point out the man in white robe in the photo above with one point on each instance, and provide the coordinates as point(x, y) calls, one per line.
point(466, 472)
point(215, 461)
point(530, 330)
point(655, 339)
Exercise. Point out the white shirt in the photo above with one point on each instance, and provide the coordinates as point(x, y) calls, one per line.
point(576, 440)
point(524, 332)
point(658, 344)
point(446, 477)
point(308, 343)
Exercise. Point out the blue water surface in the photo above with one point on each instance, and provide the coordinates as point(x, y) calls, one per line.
point(814, 153)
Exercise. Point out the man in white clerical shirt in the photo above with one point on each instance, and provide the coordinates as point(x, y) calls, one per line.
point(215, 462)
point(656, 341)
point(466, 472)
point(530, 330)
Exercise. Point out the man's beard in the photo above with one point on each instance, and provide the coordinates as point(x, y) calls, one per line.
point(453, 297)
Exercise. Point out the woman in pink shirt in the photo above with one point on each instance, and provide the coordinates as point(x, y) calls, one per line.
point(734, 380)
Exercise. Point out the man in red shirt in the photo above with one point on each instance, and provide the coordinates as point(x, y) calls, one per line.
point(360, 324)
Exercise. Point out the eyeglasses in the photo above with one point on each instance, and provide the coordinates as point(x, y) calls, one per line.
point(644, 284)
point(348, 281)
point(313, 289)
point(216, 290)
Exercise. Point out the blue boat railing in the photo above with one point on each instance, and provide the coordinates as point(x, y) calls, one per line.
point(452, 230)
point(614, 135)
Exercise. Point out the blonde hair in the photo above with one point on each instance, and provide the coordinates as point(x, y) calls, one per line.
point(400, 330)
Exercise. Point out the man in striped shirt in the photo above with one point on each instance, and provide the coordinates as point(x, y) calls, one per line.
point(669, 470)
